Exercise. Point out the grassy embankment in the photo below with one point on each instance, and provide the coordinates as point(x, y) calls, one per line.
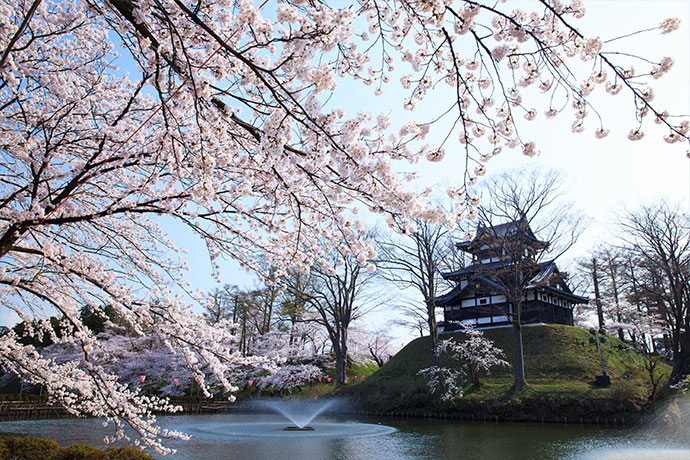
point(560, 371)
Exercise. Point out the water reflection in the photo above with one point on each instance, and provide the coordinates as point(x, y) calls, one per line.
point(639, 454)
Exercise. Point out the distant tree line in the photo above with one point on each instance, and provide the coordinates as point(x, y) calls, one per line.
point(641, 283)
point(312, 311)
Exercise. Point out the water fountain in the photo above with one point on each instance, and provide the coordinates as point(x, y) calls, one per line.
point(303, 417)
point(299, 412)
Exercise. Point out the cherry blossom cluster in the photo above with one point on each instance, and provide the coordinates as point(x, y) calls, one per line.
point(84, 388)
point(447, 380)
point(633, 319)
point(465, 359)
point(492, 55)
point(292, 376)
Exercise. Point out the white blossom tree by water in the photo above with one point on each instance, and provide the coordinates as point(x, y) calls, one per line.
point(460, 363)
point(223, 124)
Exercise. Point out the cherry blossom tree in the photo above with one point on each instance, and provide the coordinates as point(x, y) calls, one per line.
point(223, 124)
point(294, 361)
point(472, 355)
point(640, 321)
point(615, 275)
point(292, 376)
point(380, 346)
point(136, 362)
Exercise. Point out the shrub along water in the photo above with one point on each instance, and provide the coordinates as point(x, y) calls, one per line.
point(14, 447)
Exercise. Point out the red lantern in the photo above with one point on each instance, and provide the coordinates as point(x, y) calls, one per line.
point(142, 378)
point(116, 377)
point(319, 379)
point(250, 383)
point(329, 379)
point(176, 380)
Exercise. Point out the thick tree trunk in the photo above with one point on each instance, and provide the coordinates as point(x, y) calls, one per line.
point(614, 288)
point(340, 360)
point(379, 361)
point(266, 326)
point(475, 376)
point(597, 297)
point(433, 330)
point(243, 336)
point(518, 352)
point(681, 358)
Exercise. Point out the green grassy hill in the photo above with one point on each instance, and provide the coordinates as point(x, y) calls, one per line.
point(560, 371)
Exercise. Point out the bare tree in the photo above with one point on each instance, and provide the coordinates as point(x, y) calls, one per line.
point(413, 317)
point(218, 305)
point(604, 273)
point(412, 262)
point(338, 295)
point(589, 271)
point(293, 305)
point(659, 237)
point(520, 206)
point(380, 347)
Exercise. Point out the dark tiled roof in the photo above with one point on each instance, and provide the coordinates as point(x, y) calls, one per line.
point(478, 268)
point(457, 292)
point(499, 231)
point(539, 280)
point(471, 269)
point(568, 295)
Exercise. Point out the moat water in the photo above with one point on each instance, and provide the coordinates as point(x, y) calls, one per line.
point(260, 436)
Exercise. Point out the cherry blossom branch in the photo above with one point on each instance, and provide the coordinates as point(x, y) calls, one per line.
point(19, 32)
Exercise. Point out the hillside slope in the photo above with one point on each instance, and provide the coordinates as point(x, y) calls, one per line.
point(560, 365)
